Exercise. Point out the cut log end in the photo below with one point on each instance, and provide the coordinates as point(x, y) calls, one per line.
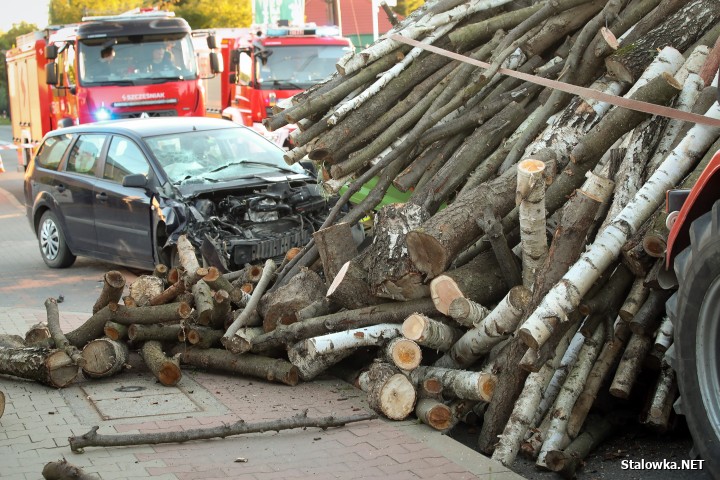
point(654, 245)
point(413, 326)
point(426, 253)
point(531, 165)
point(443, 291)
point(169, 374)
point(406, 354)
point(397, 397)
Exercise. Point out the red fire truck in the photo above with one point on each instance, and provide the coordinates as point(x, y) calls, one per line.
point(266, 65)
point(137, 64)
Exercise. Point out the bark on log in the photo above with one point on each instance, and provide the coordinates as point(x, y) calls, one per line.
point(617, 287)
point(247, 364)
point(169, 294)
point(166, 369)
point(390, 272)
point(394, 312)
point(490, 331)
point(115, 331)
point(161, 333)
point(93, 439)
point(62, 470)
point(680, 29)
point(630, 365)
point(530, 199)
point(104, 357)
point(188, 261)
point(663, 398)
point(510, 265)
point(465, 282)
point(203, 303)
point(390, 393)
point(240, 321)
point(463, 384)
point(635, 299)
point(204, 337)
point(310, 366)
point(567, 461)
point(664, 337)
point(57, 335)
point(466, 312)
point(48, 366)
point(215, 280)
point(648, 318)
point(430, 333)
point(113, 285)
point(336, 246)
point(281, 306)
point(350, 288)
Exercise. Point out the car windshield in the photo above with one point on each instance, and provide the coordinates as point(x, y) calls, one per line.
point(221, 155)
point(138, 60)
point(294, 68)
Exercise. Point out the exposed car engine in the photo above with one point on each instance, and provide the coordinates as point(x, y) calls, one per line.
point(261, 223)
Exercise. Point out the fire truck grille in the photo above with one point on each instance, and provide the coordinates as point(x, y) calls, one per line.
point(151, 113)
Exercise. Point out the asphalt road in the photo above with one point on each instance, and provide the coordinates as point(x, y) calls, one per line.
point(27, 282)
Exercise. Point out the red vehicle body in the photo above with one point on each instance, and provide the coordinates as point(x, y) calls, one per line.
point(102, 69)
point(269, 65)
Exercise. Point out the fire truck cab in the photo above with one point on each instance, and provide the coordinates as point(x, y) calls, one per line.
point(268, 64)
point(137, 64)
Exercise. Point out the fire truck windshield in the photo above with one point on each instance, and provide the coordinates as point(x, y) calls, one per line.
point(137, 59)
point(297, 67)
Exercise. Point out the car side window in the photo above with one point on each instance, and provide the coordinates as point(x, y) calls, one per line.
point(85, 153)
point(124, 158)
point(52, 151)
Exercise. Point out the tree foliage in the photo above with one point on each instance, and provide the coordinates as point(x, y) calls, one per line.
point(198, 13)
point(405, 7)
point(63, 12)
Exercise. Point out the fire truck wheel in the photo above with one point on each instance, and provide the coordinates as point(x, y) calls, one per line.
point(697, 336)
point(53, 247)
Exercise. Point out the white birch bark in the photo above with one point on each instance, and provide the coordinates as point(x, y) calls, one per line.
point(664, 337)
point(478, 341)
point(568, 361)
point(669, 60)
point(530, 198)
point(373, 335)
point(430, 333)
point(693, 64)
point(557, 437)
point(426, 23)
point(663, 399)
point(466, 312)
point(523, 415)
point(685, 100)
point(462, 384)
point(565, 296)
point(386, 77)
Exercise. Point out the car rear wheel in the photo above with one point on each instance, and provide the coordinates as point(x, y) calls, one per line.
point(696, 316)
point(51, 239)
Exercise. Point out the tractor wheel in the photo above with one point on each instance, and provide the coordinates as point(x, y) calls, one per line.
point(696, 314)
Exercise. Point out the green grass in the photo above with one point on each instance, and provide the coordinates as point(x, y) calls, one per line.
point(4, 121)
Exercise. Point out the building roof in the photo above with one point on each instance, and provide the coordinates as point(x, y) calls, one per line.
point(355, 16)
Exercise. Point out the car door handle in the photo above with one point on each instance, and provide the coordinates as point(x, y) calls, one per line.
point(60, 188)
point(101, 196)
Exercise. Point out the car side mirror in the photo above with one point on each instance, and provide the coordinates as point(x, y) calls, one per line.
point(215, 63)
point(136, 180)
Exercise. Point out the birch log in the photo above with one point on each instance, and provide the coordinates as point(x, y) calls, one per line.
point(531, 201)
point(104, 357)
point(430, 333)
point(478, 341)
point(461, 384)
point(433, 413)
point(664, 336)
point(403, 353)
point(637, 296)
point(113, 285)
point(663, 398)
point(630, 365)
point(390, 393)
point(566, 294)
point(557, 437)
point(466, 312)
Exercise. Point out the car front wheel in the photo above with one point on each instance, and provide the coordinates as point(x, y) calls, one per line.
point(53, 247)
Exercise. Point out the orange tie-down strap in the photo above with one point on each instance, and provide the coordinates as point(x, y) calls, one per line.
point(623, 102)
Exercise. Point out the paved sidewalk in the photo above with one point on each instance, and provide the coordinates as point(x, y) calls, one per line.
point(38, 421)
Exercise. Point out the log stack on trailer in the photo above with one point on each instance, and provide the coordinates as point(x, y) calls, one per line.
point(521, 281)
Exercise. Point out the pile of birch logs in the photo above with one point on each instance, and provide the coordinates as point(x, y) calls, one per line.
point(520, 287)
